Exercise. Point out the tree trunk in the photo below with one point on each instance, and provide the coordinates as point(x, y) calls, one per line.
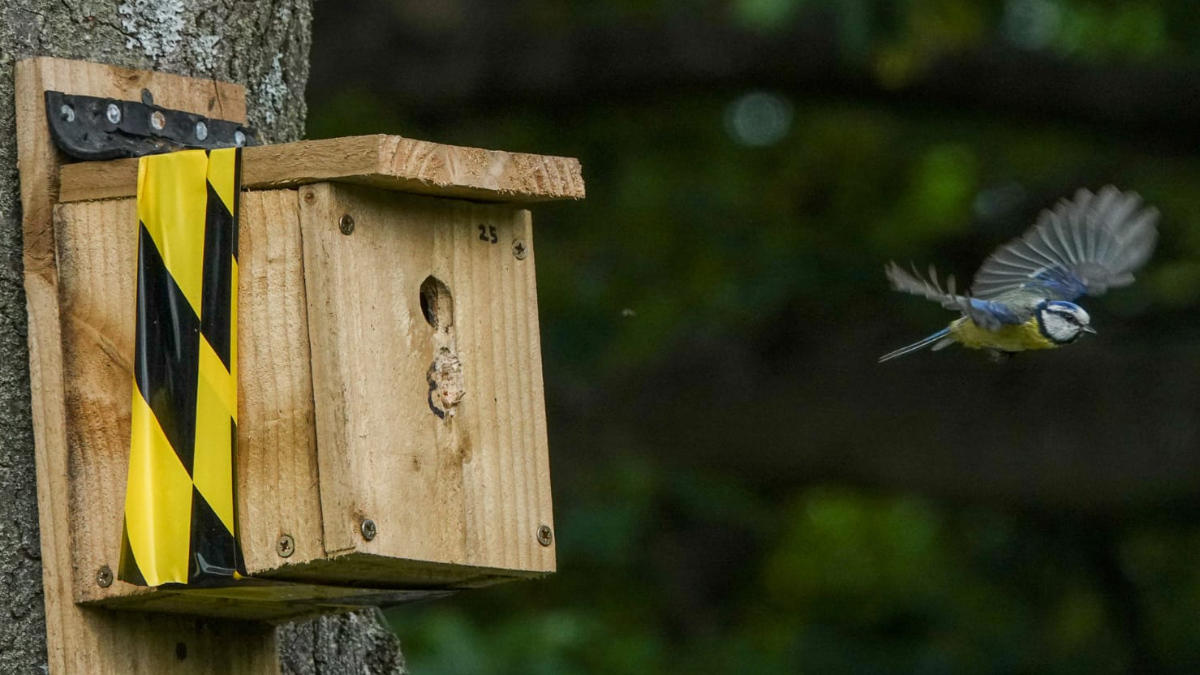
point(262, 45)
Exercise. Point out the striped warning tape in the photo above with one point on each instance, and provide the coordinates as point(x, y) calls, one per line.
point(180, 506)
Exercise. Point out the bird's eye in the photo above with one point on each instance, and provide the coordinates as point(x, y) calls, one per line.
point(1067, 316)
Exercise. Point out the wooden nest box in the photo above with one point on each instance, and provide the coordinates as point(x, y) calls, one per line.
point(391, 429)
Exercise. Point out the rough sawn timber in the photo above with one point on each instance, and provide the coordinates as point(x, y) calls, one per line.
point(458, 499)
point(389, 162)
point(81, 640)
point(471, 487)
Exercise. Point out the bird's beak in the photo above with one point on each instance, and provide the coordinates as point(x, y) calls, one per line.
point(1089, 329)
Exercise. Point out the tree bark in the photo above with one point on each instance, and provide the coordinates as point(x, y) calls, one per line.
point(262, 45)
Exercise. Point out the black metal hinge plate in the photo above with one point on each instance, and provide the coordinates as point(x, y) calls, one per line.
point(90, 128)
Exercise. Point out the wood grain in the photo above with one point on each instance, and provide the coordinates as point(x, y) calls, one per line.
point(338, 421)
point(277, 455)
point(96, 253)
point(457, 501)
point(276, 461)
point(81, 640)
point(387, 162)
point(471, 488)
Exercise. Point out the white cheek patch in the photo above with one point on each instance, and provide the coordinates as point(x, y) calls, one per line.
point(1058, 327)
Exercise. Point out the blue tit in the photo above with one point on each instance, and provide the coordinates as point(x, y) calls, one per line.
point(1021, 297)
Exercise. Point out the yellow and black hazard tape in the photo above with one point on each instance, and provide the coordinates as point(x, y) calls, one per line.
point(180, 502)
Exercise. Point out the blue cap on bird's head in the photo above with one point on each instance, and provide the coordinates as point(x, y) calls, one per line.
point(1061, 321)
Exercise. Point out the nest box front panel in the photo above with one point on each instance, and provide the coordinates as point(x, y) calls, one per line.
point(427, 383)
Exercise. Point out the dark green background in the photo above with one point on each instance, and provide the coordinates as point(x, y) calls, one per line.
point(739, 487)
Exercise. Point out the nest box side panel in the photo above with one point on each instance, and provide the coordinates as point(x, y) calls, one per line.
point(276, 457)
point(431, 432)
point(279, 510)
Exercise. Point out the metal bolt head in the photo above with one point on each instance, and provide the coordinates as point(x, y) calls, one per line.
point(346, 224)
point(201, 131)
point(67, 113)
point(545, 535)
point(519, 250)
point(112, 113)
point(239, 138)
point(104, 576)
point(368, 529)
point(158, 120)
point(285, 546)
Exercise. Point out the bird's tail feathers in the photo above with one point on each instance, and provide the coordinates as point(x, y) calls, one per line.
point(938, 340)
point(929, 289)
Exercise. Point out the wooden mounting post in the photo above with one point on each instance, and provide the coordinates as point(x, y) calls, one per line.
point(80, 639)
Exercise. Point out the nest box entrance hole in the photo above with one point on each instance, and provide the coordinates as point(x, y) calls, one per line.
point(445, 375)
point(437, 304)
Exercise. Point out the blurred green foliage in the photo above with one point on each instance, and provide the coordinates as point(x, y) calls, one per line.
point(698, 234)
point(688, 231)
point(837, 580)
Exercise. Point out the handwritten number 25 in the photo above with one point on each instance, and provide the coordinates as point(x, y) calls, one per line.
point(488, 233)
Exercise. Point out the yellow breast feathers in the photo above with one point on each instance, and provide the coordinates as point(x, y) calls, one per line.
point(1012, 338)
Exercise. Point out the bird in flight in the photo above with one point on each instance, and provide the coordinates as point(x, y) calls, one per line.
point(1023, 295)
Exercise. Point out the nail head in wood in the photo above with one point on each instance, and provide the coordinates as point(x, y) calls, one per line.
point(545, 535)
point(346, 224)
point(368, 529)
point(519, 250)
point(104, 577)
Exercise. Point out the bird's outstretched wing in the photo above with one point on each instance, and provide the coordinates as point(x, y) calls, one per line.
point(1085, 245)
point(985, 313)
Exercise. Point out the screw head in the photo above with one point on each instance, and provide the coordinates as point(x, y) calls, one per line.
point(346, 223)
point(545, 535)
point(67, 113)
point(519, 250)
point(285, 546)
point(239, 138)
point(201, 131)
point(368, 529)
point(112, 113)
point(158, 120)
point(104, 576)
